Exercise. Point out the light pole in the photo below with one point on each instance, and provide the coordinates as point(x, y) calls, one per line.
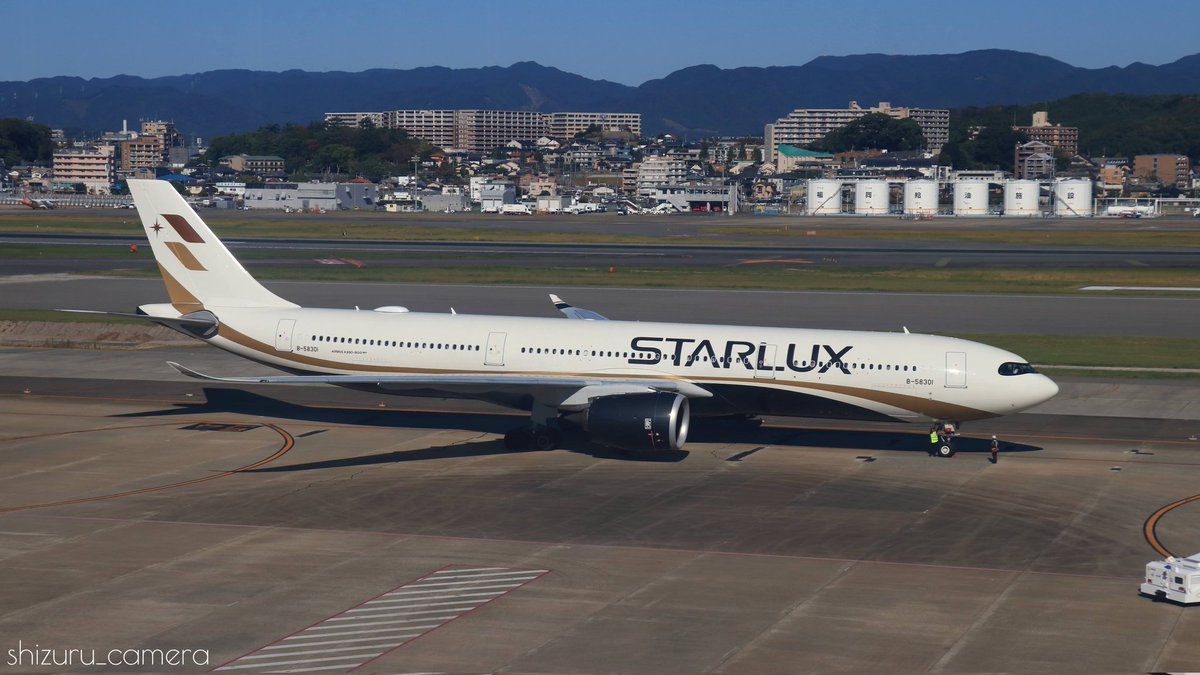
point(415, 160)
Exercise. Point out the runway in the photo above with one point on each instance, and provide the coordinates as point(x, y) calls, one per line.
point(678, 252)
point(303, 528)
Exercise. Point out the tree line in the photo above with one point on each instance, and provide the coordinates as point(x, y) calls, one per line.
point(317, 149)
point(22, 142)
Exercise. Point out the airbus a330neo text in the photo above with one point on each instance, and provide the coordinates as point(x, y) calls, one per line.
point(630, 385)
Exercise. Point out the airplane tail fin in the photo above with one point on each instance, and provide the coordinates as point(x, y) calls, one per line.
point(196, 267)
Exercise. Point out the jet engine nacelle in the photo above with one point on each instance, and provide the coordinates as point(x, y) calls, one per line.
point(652, 422)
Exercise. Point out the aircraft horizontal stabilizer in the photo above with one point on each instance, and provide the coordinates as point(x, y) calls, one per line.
point(190, 323)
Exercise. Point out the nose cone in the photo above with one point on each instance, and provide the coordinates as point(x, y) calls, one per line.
point(1036, 389)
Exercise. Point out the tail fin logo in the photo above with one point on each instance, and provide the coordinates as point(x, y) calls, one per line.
point(156, 227)
point(183, 228)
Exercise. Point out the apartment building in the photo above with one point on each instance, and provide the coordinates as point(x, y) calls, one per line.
point(95, 167)
point(481, 131)
point(805, 126)
point(164, 131)
point(656, 172)
point(566, 124)
point(1033, 160)
point(1064, 139)
point(1167, 169)
point(143, 152)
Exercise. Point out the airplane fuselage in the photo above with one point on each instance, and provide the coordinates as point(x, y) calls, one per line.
point(756, 370)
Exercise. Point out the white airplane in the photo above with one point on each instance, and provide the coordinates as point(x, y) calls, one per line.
point(26, 200)
point(630, 385)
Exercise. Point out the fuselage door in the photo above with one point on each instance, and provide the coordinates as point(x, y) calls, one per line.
point(283, 335)
point(495, 349)
point(765, 362)
point(956, 369)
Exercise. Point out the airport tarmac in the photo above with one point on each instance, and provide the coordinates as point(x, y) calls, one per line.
point(303, 528)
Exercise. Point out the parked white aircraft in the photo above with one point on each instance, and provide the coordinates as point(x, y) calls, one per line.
point(631, 385)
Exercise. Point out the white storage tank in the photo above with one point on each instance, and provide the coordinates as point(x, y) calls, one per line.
point(824, 197)
point(1073, 198)
point(1021, 198)
point(971, 197)
point(871, 197)
point(920, 197)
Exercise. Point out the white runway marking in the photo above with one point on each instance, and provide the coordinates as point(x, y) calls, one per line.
point(333, 644)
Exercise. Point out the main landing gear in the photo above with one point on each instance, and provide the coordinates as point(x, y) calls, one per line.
point(945, 433)
point(541, 434)
point(535, 438)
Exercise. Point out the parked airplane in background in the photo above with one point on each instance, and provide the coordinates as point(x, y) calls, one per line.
point(631, 385)
point(37, 203)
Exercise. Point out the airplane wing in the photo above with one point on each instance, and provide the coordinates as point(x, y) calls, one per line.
point(568, 390)
point(573, 312)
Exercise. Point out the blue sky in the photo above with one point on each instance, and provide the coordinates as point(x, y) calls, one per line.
point(624, 41)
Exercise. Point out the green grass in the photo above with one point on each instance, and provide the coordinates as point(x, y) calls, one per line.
point(1104, 352)
point(555, 229)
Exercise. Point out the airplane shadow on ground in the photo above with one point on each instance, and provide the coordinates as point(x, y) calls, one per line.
point(748, 431)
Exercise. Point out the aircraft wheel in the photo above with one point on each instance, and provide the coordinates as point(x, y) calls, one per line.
point(518, 439)
point(545, 439)
point(944, 450)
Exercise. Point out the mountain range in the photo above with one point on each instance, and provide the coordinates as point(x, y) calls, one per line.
point(697, 101)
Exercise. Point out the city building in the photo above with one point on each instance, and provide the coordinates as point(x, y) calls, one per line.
point(791, 158)
point(495, 194)
point(656, 172)
point(542, 184)
point(1064, 139)
point(259, 165)
point(565, 125)
point(95, 167)
point(698, 196)
point(481, 131)
point(164, 131)
point(1167, 169)
point(805, 126)
point(143, 152)
point(310, 196)
point(1033, 160)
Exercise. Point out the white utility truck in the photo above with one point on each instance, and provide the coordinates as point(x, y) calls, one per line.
point(1174, 579)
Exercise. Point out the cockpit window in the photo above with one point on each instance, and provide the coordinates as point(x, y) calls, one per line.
point(1016, 368)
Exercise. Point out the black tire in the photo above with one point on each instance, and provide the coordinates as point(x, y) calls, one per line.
point(944, 450)
point(545, 439)
point(518, 439)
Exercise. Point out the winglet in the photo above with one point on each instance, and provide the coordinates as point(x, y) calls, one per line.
point(183, 370)
point(574, 312)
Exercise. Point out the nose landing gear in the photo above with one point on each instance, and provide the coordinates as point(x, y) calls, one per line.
point(943, 433)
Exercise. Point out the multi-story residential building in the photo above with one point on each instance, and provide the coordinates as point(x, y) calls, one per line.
point(143, 152)
point(566, 124)
point(1063, 139)
point(805, 126)
point(95, 167)
point(481, 131)
point(1166, 169)
point(656, 172)
point(1033, 160)
point(165, 131)
point(542, 184)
